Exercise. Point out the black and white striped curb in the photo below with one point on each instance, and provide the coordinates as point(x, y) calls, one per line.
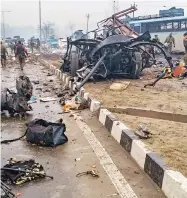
point(172, 183)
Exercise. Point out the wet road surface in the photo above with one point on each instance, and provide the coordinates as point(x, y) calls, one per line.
point(60, 161)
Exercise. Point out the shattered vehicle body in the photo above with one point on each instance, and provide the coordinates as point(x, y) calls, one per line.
point(16, 102)
point(121, 52)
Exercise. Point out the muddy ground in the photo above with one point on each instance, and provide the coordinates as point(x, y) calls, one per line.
point(169, 95)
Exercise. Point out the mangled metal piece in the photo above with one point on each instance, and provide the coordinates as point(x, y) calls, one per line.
point(16, 102)
point(121, 52)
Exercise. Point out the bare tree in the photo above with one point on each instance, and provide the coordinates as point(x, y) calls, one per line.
point(48, 29)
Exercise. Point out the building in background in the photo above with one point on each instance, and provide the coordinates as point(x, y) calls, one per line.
point(167, 21)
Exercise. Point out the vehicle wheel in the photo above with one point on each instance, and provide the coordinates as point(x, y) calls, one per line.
point(136, 65)
point(74, 65)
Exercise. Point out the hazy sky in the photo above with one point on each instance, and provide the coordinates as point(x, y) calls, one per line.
point(62, 12)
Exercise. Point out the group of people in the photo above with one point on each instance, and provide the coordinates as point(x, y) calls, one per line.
point(18, 49)
point(32, 44)
point(170, 41)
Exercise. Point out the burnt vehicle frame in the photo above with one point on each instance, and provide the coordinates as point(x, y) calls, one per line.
point(121, 52)
point(118, 55)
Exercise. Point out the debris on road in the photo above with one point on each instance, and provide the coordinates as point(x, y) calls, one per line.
point(66, 108)
point(143, 132)
point(19, 172)
point(49, 74)
point(44, 133)
point(47, 99)
point(6, 191)
point(32, 100)
point(112, 195)
point(36, 82)
point(16, 102)
point(119, 86)
point(93, 173)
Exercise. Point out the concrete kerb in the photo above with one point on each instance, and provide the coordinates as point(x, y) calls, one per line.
point(172, 183)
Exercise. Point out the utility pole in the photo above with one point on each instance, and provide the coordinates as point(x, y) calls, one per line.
point(3, 17)
point(88, 17)
point(133, 11)
point(40, 20)
point(114, 7)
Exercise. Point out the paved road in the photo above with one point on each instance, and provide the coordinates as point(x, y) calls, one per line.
point(88, 140)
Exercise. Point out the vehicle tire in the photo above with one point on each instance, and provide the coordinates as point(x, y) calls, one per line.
point(136, 65)
point(74, 65)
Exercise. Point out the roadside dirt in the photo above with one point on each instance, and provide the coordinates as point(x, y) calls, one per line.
point(169, 95)
point(169, 139)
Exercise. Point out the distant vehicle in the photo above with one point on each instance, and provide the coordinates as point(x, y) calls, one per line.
point(78, 34)
point(52, 43)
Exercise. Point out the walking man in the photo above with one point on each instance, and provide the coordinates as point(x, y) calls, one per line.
point(21, 53)
point(185, 41)
point(38, 44)
point(32, 45)
point(170, 41)
point(156, 39)
point(4, 52)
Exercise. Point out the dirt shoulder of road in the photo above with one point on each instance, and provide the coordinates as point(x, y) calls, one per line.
point(169, 139)
point(169, 95)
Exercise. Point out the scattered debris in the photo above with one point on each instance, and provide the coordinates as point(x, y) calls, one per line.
point(93, 173)
point(94, 166)
point(19, 172)
point(6, 191)
point(142, 132)
point(19, 194)
point(32, 100)
point(112, 195)
point(46, 90)
point(36, 82)
point(119, 86)
point(39, 88)
point(44, 133)
point(47, 99)
point(45, 84)
point(17, 102)
point(66, 108)
point(77, 159)
point(51, 80)
point(136, 172)
point(49, 74)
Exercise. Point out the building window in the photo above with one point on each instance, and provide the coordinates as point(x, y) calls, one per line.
point(183, 24)
point(169, 26)
point(163, 26)
point(175, 25)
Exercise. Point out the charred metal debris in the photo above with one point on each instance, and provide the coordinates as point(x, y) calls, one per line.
point(17, 101)
point(117, 52)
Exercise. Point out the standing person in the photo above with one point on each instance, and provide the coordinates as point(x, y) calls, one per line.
point(156, 38)
point(32, 44)
point(38, 44)
point(21, 53)
point(4, 52)
point(170, 41)
point(185, 41)
point(13, 47)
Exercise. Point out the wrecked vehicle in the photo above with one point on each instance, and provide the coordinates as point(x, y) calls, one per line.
point(16, 102)
point(118, 52)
